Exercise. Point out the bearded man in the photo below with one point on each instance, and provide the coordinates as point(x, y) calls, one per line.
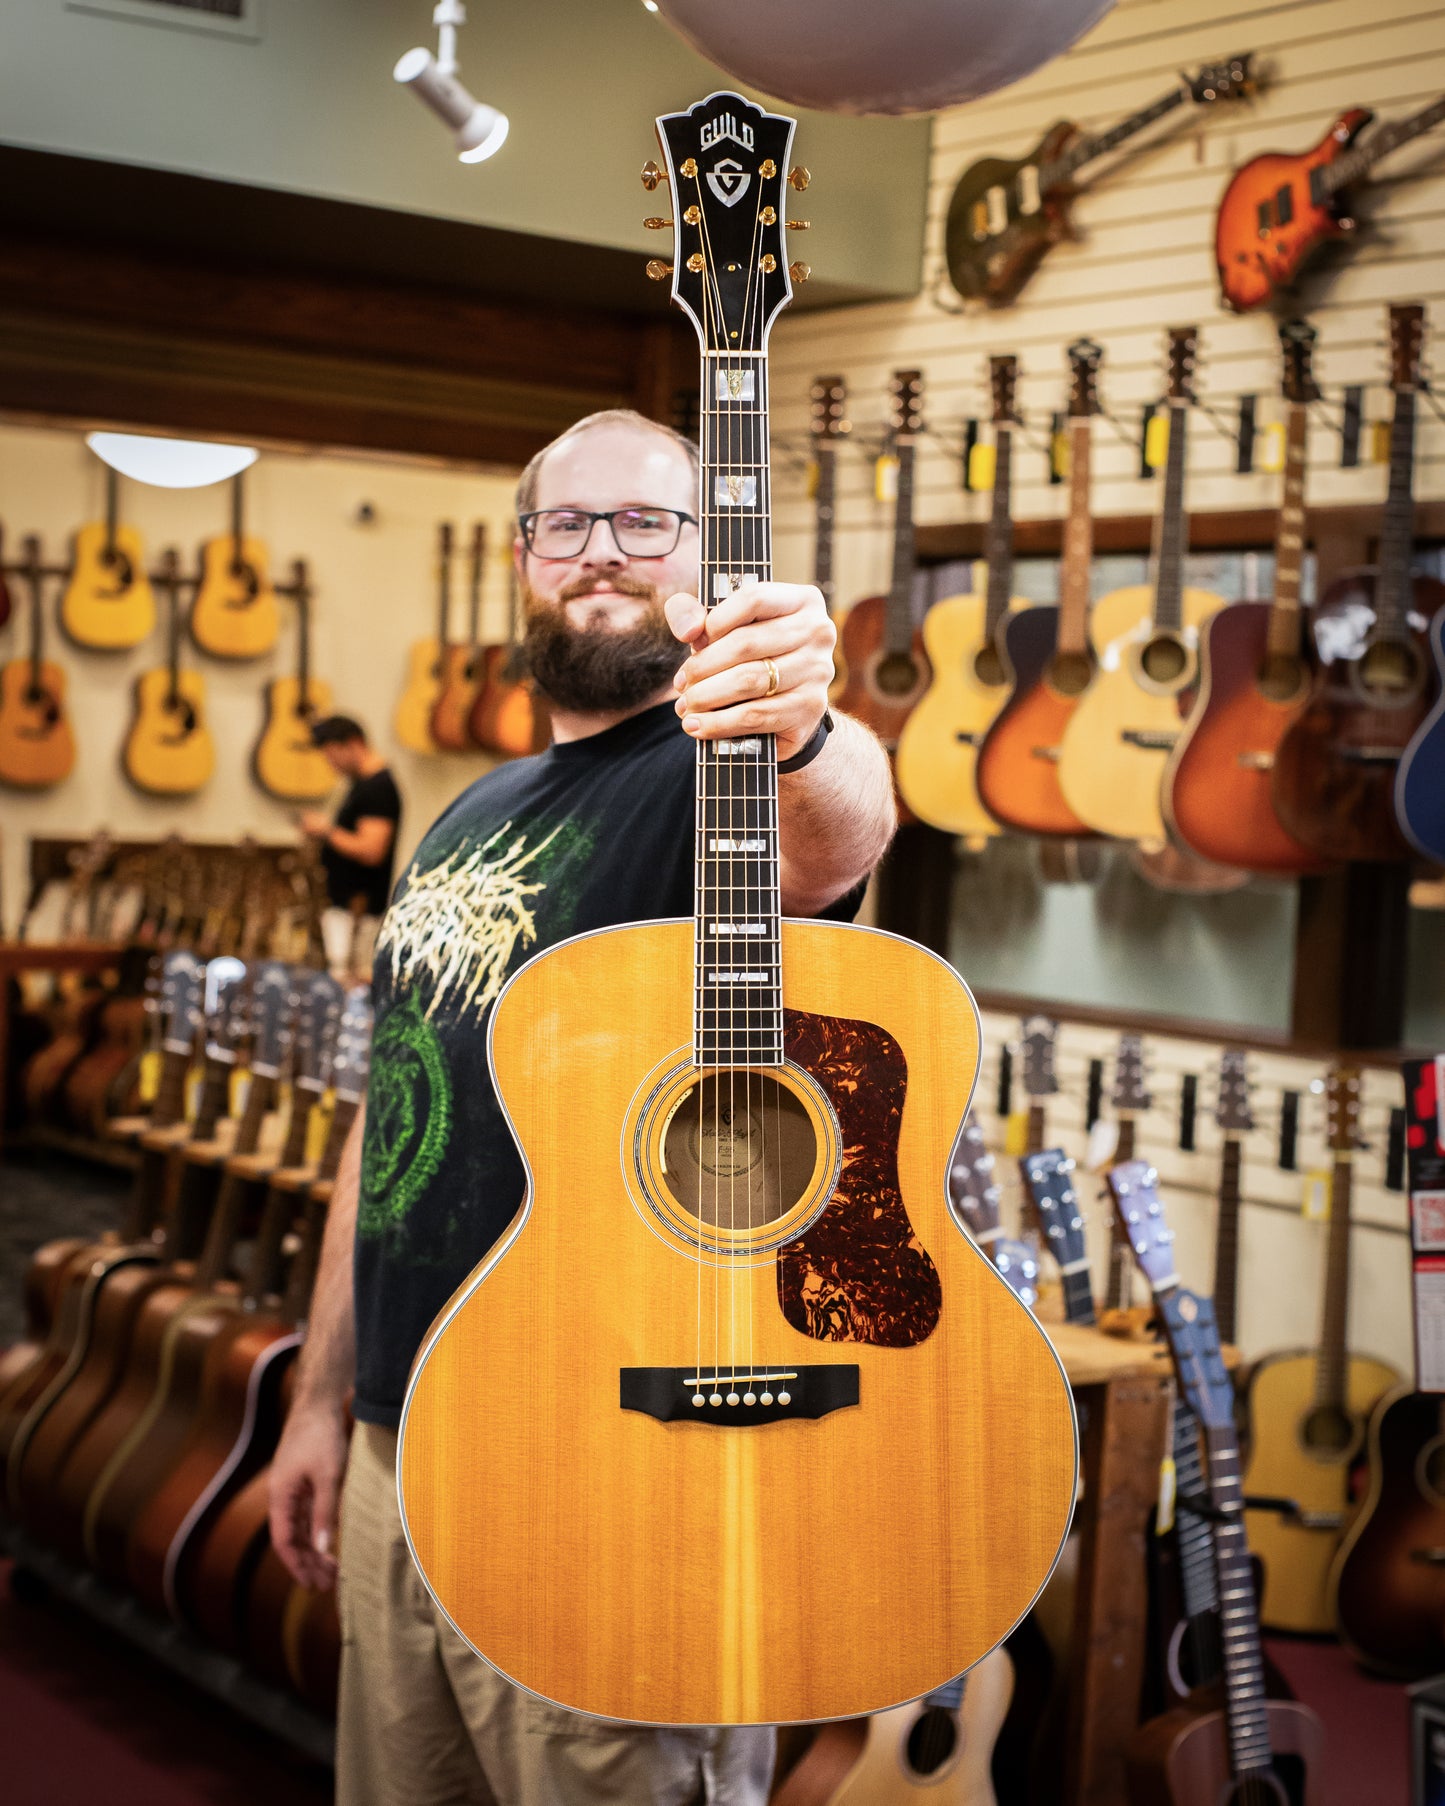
point(593, 833)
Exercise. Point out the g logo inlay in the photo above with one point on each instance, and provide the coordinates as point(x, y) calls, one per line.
point(729, 181)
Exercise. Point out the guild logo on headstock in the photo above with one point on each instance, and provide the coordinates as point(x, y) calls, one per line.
point(729, 181)
point(725, 126)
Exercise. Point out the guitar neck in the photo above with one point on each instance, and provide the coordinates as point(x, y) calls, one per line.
point(215, 1094)
point(1355, 163)
point(343, 1114)
point(170, 1098)
point(1172, 531)
point(1121, 1255)
point(1087, 149)
point(1331, 1364)
point(1392, 593)
point(1246, 1711)
point(1073, 630)
point(999, 545)
point(1198, 1582)
point(1034, 1129)
point(1283, 633)
point(1226, 1242)
point(823, 504)
point(304, 1096)
point(898, 625)
point(303, 641)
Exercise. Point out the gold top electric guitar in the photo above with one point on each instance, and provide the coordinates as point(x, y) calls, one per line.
point(108, 602)
point(169, 751)
point(734, 1310)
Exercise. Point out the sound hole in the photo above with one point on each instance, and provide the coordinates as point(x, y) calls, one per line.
point(1069, 674)
point(932, 1741)
point(1163, 659)
point(988, 667)
point(1281, 678)
point(896, 674)
point(1328, 1430)
point(1390, 669)
point(739, 1150)
point(1284, 1787)
point(1431, 1470)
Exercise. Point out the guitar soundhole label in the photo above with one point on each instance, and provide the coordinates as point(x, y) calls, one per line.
point(739, 1150)
point(1163, 660)
point(1328, 1431)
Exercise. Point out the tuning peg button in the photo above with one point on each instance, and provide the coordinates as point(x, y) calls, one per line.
point(800, 272)
point(800, 225)
point(799, 177)
point(651, 175)
point(654, 224)
point(658, 270)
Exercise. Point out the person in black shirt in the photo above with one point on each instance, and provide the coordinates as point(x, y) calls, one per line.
point(358, 849)
point(595, 832)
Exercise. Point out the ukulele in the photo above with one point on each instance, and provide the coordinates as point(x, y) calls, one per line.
point(37, 748)
point(974, 1194)
point(1254, 1751)
point(1049, 1182)
point(1234, 1117)
point(412, 722)
point(108, 603)
point(510, 715)
point(1336, 766)
point(169, 751)
point(830, 425)
point(1308, 1413)
point(234, 613)
point(1005, 215)
point(1254, 683)
point(1113, 751)
point(883, 658)
point(1278, 210)
point(711, 1320)
point(285, 762)
point(938, 747)
point(462, 665)
point(1046, 652)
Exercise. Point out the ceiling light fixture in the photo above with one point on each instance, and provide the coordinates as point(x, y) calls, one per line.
point(171, 463)
point(480, 131)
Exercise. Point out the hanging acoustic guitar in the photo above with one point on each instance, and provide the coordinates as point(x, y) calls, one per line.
point(753, 1337)
point(412, 721)
point(37, 747)
point(285, 762)
point(235, 614)
point(462, 664)
point(108, 604)
point(830, 425)
point(169, 751)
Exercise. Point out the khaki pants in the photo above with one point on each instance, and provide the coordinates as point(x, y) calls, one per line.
point(425, 1722)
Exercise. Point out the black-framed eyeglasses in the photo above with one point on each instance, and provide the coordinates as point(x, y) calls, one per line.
point(562, 533)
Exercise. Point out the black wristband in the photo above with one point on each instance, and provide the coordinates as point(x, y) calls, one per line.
point(810, 752)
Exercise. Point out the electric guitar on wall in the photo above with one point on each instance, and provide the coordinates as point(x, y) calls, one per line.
point(938, 748)
point(412, 722)
point(829, 399)
point(1336, 766)
point(1005, 215)
point(108, 602)
point(1047, 653)
point(1278, 210)
point(37, 747)
point(234, 614)
point(169, 751)
point(1114, 749)
point(462, 664)
point(285, 763)
point(753, 1072)
point(1254, 682)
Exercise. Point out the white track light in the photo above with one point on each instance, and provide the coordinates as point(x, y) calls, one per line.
point(480, 130)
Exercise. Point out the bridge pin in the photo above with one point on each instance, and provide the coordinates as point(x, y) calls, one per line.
point(716, 1399)
point(750, 1398)
point(785, 1398)
point(767, 1398)
point(698, 1399)
point(733, 1398)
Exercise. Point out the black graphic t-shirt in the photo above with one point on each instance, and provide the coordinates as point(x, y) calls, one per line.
point(591, 834)
point(346, 879)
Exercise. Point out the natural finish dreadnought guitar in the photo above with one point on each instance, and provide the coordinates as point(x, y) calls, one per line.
point(412, 721)
point(757, 1318)
point(286, 763)
point(1336, 767)
point(1046, 652)
point(108, 603)
point(37, 747)
point(235, 613)
point(1005, 215)
point(462, 665)
point(1114, 749)
point(169, 750)
point(1278, 210)
point(938, 748)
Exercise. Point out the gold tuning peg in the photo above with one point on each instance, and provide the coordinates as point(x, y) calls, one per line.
point(800, 272)
point(654, 224)
point(800, 225)
point(658, 270)
point(799, 177)
point(651, 175)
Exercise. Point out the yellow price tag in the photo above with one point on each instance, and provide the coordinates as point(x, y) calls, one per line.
point(1016, 1134)
point(1271, 447)
point(885, 478)
point(1156, 440)
point(319, 1127)
point(1379, 441)
point(240, 1089)
point(1315, 1195)
point(193, 1091)
point(1168, 1494)
point(812, 479)
point(148, 1079)
point(1061, 456)
point(982, 463)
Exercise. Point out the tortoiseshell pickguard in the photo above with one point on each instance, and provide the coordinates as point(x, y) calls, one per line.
point(859, 1274)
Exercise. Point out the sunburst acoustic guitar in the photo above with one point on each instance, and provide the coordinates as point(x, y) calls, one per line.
point(1113, 751)
point(169, 750)
point(108, 603)
point(234, 613)
point(510, 716)
point(412, 721)
point(758, 1317)
point(285, 762)
point(37, 746)
point(938, 748)
point(1047, 651)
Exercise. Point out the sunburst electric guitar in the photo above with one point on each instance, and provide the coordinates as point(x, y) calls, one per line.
point(755, 1336)
point(169, 750)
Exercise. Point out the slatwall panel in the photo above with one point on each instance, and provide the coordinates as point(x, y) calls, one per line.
point(1144, 261)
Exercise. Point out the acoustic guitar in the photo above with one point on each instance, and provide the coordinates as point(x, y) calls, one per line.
point(1420, 780)
point(462, 664)
point(1308, 1414)
point(1278, 210)
point(234, 613)
point(938, 747)
point(510, 716)
point(1249, 1750)
point(1046, 651)
point(761, 1319)
point(829, 426)
point(1335, 769)
point(37, 747)
point(1254, 683)
point(1115, 746)
point(108, 604)
point(1038, 1038)
point(1006, 214)
point(285, 762)
point(412, 721)
point(1129, 1098)
point(169, 751)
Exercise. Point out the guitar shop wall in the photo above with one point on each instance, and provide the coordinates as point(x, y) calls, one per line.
point(1142, 262)
point(367, 528)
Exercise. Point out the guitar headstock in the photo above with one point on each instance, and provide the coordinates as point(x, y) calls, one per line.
point(1085, 358)
point(273, 1001)
point(972, 1188)
point(1134, 1187)
point(1342, 1109)
point(1231, 80)
point(1193, 1337)
point(724, 159)
point(318, 1009)
point(1183, 357)
point(1297, 342)
point(182, 986)
point(829, 397)
point(224, 1003)
point(1231, 1110)
point(351, 1053)
point(1407, 339)
point(1020, 1267)
point(905, 404)
point(1037, 1037)
point(1130, 1092)
point(1049, 1177)
point(1003, 377)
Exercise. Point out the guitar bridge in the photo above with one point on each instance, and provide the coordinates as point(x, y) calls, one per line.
point(726, 1396)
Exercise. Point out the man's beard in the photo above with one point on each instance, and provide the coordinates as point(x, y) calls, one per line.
point(597, 669)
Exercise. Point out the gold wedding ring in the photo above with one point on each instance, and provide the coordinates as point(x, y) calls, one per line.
point(772, 688)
